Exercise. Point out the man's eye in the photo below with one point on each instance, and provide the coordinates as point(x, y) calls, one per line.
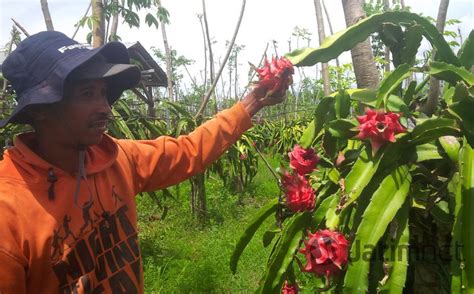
point(88, 94)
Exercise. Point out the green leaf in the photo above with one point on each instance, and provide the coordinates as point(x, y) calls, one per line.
point(450, 73)
point(121, 126)
point(392, 36)
point(456, 268)
point(466, 53)
point(363, 95)
point(255, 223)
point(397, 254)
point(151, 20)
point(334, 175)
point(431, 129)
point(308, 135)
point(332, 215)
point(413, 36)
point(360, 175)
point(284, 253)
point(342, 104)
point(409, 93)
point(427, 152)
point(467, 232)
point(385, 203)
point(268, 236)
point(154, 129)
point(396, 104)
point(451, 146)
point(345, 40)
point(391, 82)
point(342, 128)
point(449, 94)
point(463, 111)
point(321, 210)
point(317, 124)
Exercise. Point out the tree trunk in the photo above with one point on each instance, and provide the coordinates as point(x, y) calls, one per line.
point(211, 56)
point(47, 15)
point(229, 50)
point(115, 19)
point(331, 31)
point(365, 70)
point(205, 49)
point(169, 68)
point(98, 24)
point(433, 94)
point(322, 35)
point(236, 80)
point(198, 196)
point(386, 7)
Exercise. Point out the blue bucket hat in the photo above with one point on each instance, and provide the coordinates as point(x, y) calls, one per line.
point(41, 64)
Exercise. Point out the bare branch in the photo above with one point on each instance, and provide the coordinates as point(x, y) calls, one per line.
point(20, 27)
point(231, 45)
point(77, 26)
point(47, 15)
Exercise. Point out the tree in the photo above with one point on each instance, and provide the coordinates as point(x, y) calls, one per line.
point(365, 69)
point(47, 15)
point(98, 23)
point(205, 99)
point(163, 16)
point(386, 7)
point(433, 93)
point(115, 19)
point(211, 55)
point(322, 35)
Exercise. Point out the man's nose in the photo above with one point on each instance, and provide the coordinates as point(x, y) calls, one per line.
point(104, 105)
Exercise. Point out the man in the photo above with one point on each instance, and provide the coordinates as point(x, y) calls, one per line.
point(68, 217)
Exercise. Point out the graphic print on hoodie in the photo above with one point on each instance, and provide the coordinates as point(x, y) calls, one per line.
point(61, 234)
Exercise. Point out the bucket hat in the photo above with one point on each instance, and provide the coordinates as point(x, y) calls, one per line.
point(42, 63)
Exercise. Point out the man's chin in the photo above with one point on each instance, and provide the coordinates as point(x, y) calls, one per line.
point(92, 140)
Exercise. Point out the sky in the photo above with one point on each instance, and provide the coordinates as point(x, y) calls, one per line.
point(263, 21)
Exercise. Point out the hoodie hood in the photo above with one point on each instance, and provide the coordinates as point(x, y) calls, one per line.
point(32, 168)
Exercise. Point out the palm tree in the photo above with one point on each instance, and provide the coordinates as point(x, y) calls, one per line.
point(433, 93)
point(98, 23)
point(163, 16)
point(47, 15)
point(322, 35)
point(365, 69)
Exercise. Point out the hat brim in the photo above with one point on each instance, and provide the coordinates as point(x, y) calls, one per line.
point(119, 77)
point(120, 74)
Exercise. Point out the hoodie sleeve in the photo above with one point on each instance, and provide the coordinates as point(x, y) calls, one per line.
point(166, 161)
point(12, 274)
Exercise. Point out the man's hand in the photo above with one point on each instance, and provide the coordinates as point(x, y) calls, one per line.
point(260, 97)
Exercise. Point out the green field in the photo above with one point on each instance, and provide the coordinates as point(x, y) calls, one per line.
point(181, 255)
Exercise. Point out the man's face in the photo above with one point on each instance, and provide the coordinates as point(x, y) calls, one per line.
point(81, 118)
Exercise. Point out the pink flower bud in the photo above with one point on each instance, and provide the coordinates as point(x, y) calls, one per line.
point(379, 127)
point(326, 253)
point(304, 161)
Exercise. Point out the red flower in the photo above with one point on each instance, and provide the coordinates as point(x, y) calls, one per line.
point(243, 156)
point(290, 289)
point(276, 75)
point(303, 160)
point(326, 252)
point(299, 194)
point(379, 127)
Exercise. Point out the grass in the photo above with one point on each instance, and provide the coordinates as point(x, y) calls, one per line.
point(182, 256)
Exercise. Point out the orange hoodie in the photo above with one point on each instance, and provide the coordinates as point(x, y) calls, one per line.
point(50, 243)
